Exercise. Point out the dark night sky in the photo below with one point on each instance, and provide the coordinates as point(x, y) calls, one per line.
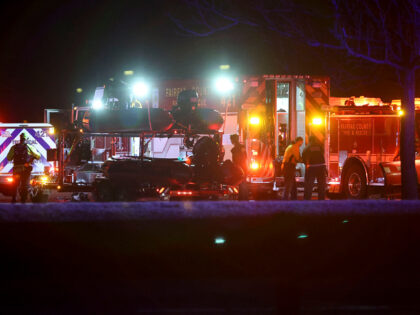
point(48, 49)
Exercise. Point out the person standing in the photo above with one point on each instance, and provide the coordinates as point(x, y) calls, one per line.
point(22, 155)
point(239, 158)
point(313, 157)
point(288, 166)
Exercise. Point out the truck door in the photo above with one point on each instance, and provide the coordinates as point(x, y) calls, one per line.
point(290, 113)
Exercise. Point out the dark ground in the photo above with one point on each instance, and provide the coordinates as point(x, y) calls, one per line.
point(163, 258)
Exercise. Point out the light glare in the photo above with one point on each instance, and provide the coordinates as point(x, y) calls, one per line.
point(97, 104)
point(317, 121)
point(140, 89)
point(255, 165)
point(254, 120)
point(224, 85)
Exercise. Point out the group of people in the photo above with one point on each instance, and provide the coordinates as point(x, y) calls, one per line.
point(312, 156)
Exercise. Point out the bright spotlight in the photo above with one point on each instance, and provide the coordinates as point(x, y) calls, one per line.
point(224, 85)
point(140, 89)
point(97, 104)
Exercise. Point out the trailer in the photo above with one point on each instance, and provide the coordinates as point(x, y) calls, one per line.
point(116, 155)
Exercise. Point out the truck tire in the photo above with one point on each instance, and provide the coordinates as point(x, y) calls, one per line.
point(355, 186)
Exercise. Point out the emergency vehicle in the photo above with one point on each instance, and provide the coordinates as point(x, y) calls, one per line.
point(363, 133)
point(42, 137)
point(268, 112)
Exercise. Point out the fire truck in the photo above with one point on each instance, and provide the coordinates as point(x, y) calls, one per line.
point(363, 134)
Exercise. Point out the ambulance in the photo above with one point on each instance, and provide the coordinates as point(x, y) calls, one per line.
point(41, 137)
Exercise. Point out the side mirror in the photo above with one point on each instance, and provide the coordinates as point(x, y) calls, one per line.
point(52, 155)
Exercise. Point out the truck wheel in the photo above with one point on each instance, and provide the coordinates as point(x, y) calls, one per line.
point(355, 183)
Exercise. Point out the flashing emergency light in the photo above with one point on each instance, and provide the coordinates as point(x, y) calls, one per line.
point(224, 85)
point(51, 130)
point(317, 121)
point(140, 89)
point(254, 120)
point(97, 104)
point(255, 166)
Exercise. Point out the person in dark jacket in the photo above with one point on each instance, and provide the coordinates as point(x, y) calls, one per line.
point(313, 157)
point(239, 158)
point(22, 155)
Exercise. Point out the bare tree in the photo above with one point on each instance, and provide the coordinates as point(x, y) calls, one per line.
point(384, 32)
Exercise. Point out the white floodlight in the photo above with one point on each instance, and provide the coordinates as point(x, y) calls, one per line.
point(97, 104)
point(224, 85)
point(140, 89)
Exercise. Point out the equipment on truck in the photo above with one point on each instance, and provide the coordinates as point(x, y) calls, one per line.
point(129, 178)
point(128, 168)
point(42, 137)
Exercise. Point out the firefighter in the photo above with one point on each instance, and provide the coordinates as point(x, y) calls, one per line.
point(313, 157)
point(22, 154)
point(239, 158)
point(288, 166)
point(183, 112)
